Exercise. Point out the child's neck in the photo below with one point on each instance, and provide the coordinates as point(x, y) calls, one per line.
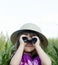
point(27, 53)
point(33, 54)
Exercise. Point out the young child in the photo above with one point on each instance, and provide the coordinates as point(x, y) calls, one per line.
point(29, 44)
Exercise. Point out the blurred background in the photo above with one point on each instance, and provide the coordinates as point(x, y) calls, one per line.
point(44, 13)
point(15, 13)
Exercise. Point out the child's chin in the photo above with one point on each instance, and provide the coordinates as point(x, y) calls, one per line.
point(29, 51)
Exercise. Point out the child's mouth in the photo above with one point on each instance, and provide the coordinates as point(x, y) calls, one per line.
point(29, 45)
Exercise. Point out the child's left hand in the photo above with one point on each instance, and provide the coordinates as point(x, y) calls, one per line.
point(37, 42)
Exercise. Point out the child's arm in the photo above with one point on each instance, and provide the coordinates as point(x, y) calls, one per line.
point(43, 56)
point(18, 55)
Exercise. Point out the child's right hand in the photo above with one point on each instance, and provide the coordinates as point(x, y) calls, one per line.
point(21, 40)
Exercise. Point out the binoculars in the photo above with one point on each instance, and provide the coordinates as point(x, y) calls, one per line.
point(32, 41)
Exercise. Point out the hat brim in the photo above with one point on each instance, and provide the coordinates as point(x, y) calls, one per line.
point(43, 39)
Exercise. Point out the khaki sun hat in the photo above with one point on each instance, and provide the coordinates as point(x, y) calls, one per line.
point(30, 27)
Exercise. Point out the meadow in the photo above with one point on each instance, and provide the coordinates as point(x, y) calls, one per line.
point(6, 48)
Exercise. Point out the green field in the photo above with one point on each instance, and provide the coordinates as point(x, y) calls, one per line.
point(6, 48)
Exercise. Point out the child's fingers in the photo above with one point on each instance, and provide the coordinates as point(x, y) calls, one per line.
point(23, 36)
point(21, 40)
point(38, 40)
point(36, 37)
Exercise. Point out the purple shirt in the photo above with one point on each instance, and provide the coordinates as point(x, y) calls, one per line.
point(28, 60)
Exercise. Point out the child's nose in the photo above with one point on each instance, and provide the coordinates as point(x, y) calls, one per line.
point(29, 38)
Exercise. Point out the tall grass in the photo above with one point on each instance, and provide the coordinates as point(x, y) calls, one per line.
point(52, 50)
point(6, 48)
point(5, 51)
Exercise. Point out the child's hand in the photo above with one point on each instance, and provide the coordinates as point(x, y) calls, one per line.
point(21, 40)
point(38, 41)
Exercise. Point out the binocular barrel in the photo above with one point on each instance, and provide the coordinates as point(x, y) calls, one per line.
point(32, 41)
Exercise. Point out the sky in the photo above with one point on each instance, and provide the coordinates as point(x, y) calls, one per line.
point(43, 13)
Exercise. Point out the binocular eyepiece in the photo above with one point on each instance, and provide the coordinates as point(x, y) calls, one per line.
point(32, 41)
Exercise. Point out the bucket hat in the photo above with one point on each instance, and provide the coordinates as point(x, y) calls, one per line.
point(30, 27)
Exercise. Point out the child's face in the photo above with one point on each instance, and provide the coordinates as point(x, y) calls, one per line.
point(29, 47)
